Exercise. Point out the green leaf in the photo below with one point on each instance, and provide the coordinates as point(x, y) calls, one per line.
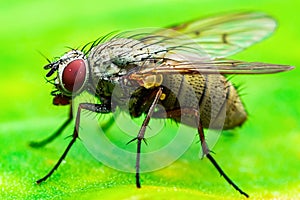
point(262, 156)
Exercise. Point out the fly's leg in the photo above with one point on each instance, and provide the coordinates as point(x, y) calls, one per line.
point(141, 135)
point(206, 152)
point(55, 134)
point(98, 108)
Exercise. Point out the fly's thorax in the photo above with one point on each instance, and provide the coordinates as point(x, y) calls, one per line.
point(111, 64)
point(120, 56)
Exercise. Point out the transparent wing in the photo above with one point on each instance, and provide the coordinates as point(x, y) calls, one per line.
point(200, 46)
point(170, 66)
point(219, 36)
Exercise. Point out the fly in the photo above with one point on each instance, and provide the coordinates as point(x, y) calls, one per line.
point(180, 68)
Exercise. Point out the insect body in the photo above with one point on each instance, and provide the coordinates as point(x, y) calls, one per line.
point(180, 68)
point(118, 60)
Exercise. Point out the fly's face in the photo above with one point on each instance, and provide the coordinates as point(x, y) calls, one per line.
point(72, 73)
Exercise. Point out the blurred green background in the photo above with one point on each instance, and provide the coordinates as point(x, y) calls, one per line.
point(262, 157)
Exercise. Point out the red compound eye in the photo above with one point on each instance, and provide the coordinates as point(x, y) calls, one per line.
point(73, 75)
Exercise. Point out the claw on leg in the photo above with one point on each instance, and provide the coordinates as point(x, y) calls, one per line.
point(207, 153)
point(141, 135)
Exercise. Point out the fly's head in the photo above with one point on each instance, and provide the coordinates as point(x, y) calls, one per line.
point(72, 76)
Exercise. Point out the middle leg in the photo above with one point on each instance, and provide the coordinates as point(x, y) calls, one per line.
point(141, 135)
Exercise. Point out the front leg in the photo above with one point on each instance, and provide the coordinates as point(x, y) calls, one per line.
point(55, 134)
point(98, 108)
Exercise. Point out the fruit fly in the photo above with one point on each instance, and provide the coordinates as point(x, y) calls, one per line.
point(181, 68)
